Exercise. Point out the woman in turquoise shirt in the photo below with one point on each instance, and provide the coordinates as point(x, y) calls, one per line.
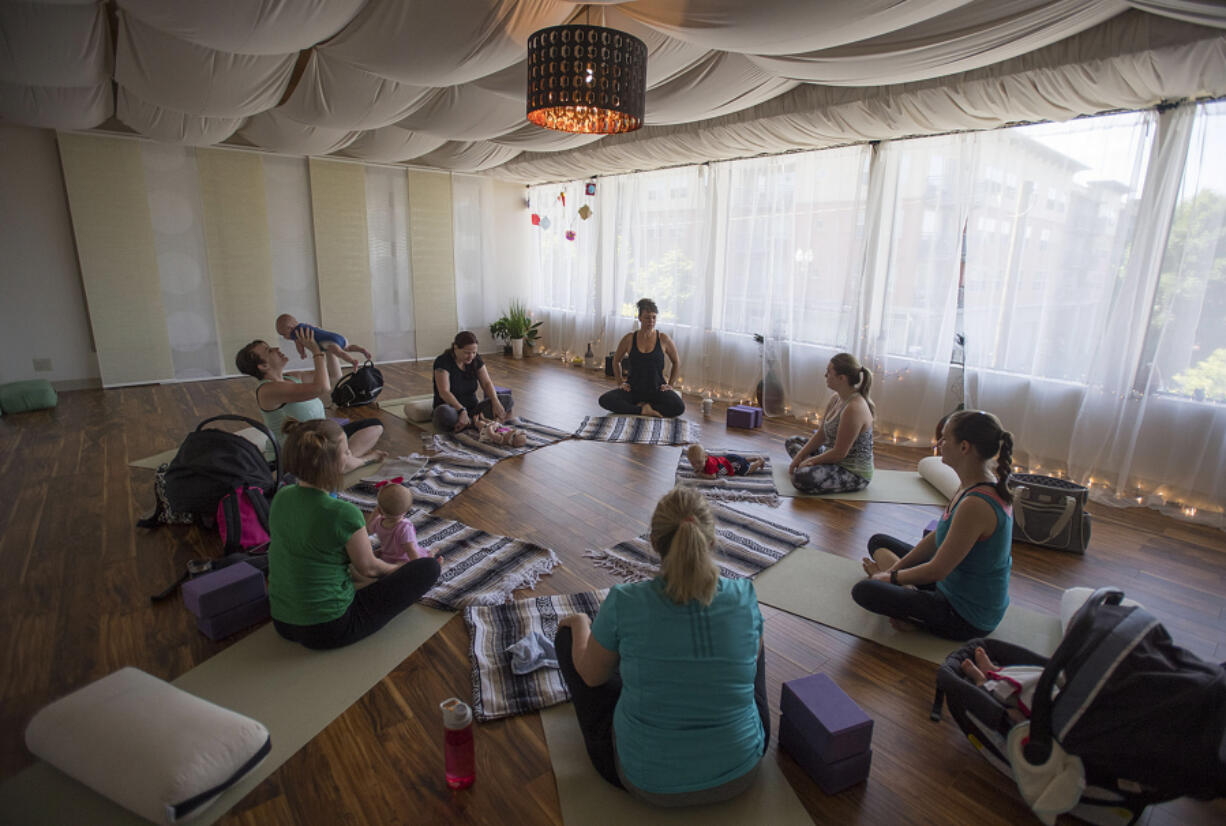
point(282, 398)
point(955, 582)
point(669, 680)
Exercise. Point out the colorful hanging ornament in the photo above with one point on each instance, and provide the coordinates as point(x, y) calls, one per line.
point(585, 212)
point(570, 235)
point(545, 222)
point(536, 220)
point(589, 188)
point(562, 197)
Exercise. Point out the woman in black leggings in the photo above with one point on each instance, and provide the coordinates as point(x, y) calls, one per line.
point(645, 392)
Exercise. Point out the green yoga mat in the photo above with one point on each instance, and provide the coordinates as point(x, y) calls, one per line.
point(293, 691)
point(587, 800)
point(902, 486)
point(817, 586)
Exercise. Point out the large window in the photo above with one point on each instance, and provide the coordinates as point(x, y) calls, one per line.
point(1185, 346)
point(1048, 241)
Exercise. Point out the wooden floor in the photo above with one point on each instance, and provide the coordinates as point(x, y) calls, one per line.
point(74, 606)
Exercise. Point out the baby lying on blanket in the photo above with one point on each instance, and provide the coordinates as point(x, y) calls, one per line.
point(494, 432)
point(711, 466)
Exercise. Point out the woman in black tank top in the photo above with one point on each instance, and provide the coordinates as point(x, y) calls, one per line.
point(645, 392)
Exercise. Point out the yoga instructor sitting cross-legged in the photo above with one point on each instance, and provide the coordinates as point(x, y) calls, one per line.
point(645, 392)
point(669, 680)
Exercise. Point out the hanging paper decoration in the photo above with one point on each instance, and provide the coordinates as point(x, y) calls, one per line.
point(545, 222)
point(589, 188)
point(585, 212)
point(570, 235)
point(562, 198)
point(536, 220)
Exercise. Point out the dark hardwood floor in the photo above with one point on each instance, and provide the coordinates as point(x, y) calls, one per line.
point(74, 606)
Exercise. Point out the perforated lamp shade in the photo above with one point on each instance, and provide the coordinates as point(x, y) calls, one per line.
point(586, 79)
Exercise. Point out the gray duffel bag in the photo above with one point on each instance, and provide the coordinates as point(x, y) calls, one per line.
point(1050, 512)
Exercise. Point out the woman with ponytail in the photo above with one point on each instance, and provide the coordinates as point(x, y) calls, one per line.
point(315, 540)
point(838, 457)
point(955, 582)
point(669, 680)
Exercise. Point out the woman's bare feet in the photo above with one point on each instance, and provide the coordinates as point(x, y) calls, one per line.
point(878, 560)
point(902, 625)
point(648, 410)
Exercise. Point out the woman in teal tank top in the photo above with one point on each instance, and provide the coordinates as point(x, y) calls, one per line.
point(955, 582)
point(281, 398)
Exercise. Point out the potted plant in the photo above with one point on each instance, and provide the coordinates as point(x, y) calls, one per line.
point(516, 327)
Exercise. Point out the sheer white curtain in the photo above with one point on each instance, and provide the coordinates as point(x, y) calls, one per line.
point(391, 276)
point(1152, 427)
point(920, 199)
point(792, 253)
point(568, 290)
point(1052, 226)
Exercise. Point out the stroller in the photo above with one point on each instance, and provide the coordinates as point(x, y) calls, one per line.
point(1121, 717)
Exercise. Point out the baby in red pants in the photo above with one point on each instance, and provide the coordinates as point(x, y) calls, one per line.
point(712, 466)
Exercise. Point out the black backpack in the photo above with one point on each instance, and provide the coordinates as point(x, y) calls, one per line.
point(362, 386)
point(212, 463)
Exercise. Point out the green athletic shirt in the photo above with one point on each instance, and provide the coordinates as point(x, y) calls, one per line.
point(304, 411)
point(308, 568)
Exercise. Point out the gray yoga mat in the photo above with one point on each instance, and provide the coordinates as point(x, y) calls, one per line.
point(587, 800)
point(902, 486)
point(817, 586)
point(294, 692)
point(158, 459)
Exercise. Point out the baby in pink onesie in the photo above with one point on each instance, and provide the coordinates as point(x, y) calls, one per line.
point(390, 522)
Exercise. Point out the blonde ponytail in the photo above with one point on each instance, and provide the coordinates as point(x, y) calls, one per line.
point(683, 534)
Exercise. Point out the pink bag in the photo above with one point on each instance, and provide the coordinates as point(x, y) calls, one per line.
point(242, 519)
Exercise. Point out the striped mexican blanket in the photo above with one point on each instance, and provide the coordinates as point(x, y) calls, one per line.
point(744, 546)
point(479, 568)
point(468, 450)
point(758, 486)
point(497, 690)
point(639, 430)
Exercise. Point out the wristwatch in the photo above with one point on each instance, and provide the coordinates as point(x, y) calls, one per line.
point(894, 577)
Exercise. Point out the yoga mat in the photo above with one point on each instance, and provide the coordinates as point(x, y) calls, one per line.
point(587, 800)
point(903, 486)
point(158, 459)
point(817, 586)
point(293, 691)
point(397, 408)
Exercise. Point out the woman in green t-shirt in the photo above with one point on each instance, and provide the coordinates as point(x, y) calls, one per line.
point(669, 681)
point(315, 538)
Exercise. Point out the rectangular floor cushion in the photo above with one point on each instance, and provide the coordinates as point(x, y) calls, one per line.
point(150, 747)
point(20, 396)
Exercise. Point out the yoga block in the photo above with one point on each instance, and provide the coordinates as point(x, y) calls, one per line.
point(828, 720)
point(742, 415)
point(20, 396)
point(236, 619)
point(502, 390)
point(220, 591)
point(833, 777)
point(930, 527)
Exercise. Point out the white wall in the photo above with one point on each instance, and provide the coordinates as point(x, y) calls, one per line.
point(42, 303)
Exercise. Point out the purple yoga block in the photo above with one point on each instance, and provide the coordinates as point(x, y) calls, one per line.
point(742, 415)
point(505, 390)
point(827, 719)
point(930, 527)
point(218, 591)
point(236, 619)
point(833, 777)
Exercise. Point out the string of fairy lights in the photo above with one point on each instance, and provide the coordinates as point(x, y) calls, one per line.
point(1164, 495)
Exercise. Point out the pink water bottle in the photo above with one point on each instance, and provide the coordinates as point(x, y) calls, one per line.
point(461, 764)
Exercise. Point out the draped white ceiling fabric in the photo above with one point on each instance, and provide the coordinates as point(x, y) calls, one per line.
point(442, 84)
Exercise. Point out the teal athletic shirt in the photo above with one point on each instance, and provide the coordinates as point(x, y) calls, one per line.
point(978, 589)
point(686, 718)
point(306, 411)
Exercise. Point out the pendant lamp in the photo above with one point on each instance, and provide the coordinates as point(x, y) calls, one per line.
point(584, 78)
